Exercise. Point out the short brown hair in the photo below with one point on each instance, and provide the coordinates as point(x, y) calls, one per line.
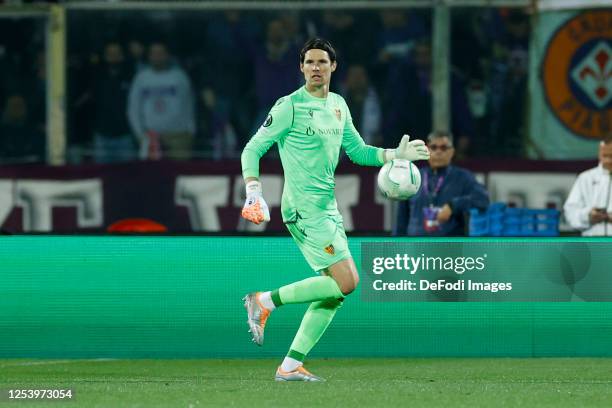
point(439, 134)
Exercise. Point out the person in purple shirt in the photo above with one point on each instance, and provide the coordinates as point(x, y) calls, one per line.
point(407, 105)
point(447, 193)
point(275, 73)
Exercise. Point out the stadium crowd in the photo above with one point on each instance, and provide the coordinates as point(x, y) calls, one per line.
point(196, 85)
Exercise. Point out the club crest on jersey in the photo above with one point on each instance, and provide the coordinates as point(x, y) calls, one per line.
point(577, 74)
point(330, 249)
point(268, 121)
point(338, 114)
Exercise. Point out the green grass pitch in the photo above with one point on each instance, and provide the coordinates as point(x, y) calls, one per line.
point(423, 382)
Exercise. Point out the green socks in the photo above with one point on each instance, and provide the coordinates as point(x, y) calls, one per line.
point(324, 296)
point(307, 290)
point(315, 322)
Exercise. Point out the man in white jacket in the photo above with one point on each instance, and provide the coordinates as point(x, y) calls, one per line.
point(589, 205)
point(161, 108)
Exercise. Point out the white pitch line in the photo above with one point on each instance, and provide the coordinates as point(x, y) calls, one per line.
point(49, 362)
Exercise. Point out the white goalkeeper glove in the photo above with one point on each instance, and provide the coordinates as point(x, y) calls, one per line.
point(255, 208)
point(410, 150)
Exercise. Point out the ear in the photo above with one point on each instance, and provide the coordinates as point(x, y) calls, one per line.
point(333, 66)
point(302, 67)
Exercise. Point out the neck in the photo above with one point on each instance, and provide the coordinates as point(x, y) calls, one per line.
point(319, 91)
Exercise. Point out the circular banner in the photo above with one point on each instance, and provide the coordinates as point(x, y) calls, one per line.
point(577, 74)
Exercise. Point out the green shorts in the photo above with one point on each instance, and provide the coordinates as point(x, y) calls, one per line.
point(321, 239)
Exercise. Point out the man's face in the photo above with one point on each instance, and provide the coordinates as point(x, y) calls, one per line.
point(276, 32)
point(605, 155)
point(441, 152)
point(113, 54)
point(136, 49)
point(317, 67)
point(422, 55)
point(158, 56)
point(356, 78)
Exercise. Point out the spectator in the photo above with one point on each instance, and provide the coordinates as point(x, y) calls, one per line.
point(508, 95)
point(161, 108)
point(82, 70)
point(470, 42)
point(136, 55)
point(353, 34)
point(19, 140)
point(401, 29)
point(409, 100)
point(363, 102)
point(213, 117)
point(589, 205)
point(8, 72)
point(113, 141)
point(275, 73)
point(296, 29)
point(397, 36)
point(35, 92)
point(447, 193)
point(225, 82)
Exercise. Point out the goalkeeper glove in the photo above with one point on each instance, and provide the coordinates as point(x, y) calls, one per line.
point(255, 208)
point(410, 150)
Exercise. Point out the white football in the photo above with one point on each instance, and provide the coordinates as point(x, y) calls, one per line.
point(399, 179)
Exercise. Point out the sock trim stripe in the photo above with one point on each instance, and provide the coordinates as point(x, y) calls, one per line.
point(275, 295)
point(296, 355)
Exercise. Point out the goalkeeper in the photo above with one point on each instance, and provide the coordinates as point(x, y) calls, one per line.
point(310, 126)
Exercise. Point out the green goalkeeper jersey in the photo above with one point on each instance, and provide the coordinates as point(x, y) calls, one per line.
point(309, 132)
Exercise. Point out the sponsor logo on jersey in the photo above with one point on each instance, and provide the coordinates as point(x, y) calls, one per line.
point(330, 249)
point(324, 131)
point(268, 121)
point(310, 113)
point(577, 74)
point(338, 114)
point(331, 131)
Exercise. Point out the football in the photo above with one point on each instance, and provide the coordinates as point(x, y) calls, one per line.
point(399, 179)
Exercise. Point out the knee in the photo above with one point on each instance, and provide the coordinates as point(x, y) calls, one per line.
point(348, 285)
point(346, 276)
